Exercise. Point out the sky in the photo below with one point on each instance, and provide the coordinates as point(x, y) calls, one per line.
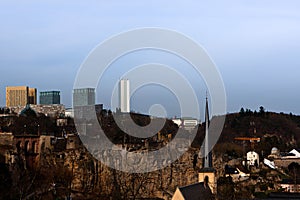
point(254, 44)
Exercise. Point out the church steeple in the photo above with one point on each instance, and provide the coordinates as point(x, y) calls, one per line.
point(207, 170)
point(207, 160)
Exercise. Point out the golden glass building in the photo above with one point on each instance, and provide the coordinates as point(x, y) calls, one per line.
point(32, 96)
point(20, 96)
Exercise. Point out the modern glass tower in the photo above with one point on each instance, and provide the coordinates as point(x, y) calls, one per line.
point(83, 97)
point(50, 97)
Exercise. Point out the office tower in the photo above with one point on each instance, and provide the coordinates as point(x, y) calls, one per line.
point(20, 96)
point(32, 96)
point(50, 97)
point(124, 95)
point(83, 97)
point(16, 96)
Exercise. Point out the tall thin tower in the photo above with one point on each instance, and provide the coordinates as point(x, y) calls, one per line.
point(124, 95)
point(207, 171)
point(207, 160)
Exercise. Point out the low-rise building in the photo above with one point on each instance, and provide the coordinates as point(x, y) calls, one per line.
point(236, 173)
point(178, 122)
point(289, 185)
point(69, 112)
point(186, 123)
point(190, 123)
point(296, 152)
point(252, 159)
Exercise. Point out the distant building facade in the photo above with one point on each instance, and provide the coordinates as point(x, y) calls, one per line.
point(124, 95)
point(54, 110)
point(32, 96)
point(50, 97)
point(69, 112)
point(20, 96)
point(290, 185)
point(83, 97)
point(190, 123)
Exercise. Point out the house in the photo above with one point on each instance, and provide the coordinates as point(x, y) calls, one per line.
point(235, 173)
point(252, 159)
point(190, 123)
point(196, 191)
point(270, 163)
point(178, 122)
point(296, 152)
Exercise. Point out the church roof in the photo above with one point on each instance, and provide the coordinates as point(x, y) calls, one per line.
point(207, 169)
point(196, 191)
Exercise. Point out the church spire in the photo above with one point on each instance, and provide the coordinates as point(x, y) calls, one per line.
point(207, 161)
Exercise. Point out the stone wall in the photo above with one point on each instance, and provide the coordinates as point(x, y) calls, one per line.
point(92, 176)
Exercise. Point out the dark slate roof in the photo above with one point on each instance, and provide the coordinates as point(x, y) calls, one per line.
point(28, 111)
point(207, 169)
point(196, 192)
point(284, 195)
point(290, 181)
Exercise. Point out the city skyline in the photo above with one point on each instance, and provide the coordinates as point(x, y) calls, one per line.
point(255, 45)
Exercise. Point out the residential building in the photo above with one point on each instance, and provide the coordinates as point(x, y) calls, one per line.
point(296, 152)
point(178, 122)
point(20, 96)
point(83, 97)
point(252, 159)
point(190, 123)
point(235, 173)
point(50, 97)
point(290, 185)
point(124, 95)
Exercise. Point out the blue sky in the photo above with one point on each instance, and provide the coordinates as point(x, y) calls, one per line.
point(255, 44)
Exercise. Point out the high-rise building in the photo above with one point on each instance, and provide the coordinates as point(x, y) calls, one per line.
point(32, 96)
point(124, 95)
point(20, 96)
point(50, 97)
point(83, 97)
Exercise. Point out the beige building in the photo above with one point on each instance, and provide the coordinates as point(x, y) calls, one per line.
point(210, 173)
point(20, 96)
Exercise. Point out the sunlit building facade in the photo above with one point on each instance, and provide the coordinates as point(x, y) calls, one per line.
point(20, 96)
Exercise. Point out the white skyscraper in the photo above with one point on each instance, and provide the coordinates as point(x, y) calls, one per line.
point(124, 95)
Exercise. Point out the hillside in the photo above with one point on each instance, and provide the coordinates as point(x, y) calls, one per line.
point(275, 130)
